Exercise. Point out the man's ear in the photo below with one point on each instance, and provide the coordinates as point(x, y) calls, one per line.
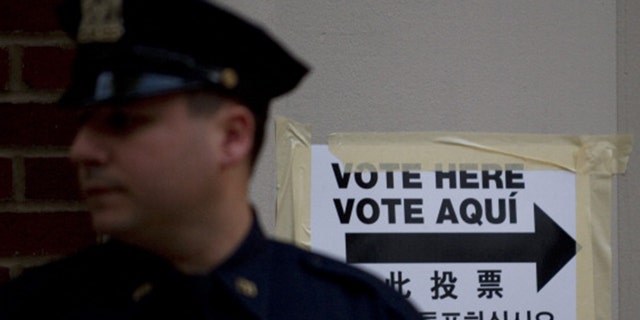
point(238, 127)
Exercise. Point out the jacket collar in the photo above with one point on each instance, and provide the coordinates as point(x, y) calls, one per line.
point(246, 272)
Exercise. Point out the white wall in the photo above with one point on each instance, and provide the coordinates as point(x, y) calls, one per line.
point(536, 66)
point(627, 242)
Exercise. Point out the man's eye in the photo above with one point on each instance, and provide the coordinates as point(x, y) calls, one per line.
point(120, 121)
point(114, 121)
point(83, 116)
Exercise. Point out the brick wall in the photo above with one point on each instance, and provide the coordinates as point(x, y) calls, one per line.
point(41, 216)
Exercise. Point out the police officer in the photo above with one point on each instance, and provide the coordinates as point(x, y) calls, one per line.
point(173, 97)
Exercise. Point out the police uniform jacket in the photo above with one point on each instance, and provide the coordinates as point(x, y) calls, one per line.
point(264, 279)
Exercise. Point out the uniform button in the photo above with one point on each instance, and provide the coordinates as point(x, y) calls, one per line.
point(246, 287)
point(142, 291)
point(229, 78)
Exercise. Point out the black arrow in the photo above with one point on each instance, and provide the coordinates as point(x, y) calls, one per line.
point(550, 247)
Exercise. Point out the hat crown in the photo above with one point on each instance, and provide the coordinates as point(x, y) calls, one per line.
point(194, 40)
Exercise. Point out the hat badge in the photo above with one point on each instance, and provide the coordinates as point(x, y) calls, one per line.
point(101, 21)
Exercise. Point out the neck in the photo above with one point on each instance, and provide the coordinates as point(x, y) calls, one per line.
point(204, 248)
point(198, 238)
point(197, 248)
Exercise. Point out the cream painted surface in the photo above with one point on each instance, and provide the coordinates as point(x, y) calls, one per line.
point(547, 66)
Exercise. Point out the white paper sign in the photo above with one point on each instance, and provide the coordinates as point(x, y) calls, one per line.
point(460, 241)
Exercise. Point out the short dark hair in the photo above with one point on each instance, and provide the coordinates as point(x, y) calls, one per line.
point(203, 102)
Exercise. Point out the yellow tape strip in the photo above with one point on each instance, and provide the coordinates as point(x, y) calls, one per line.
point(293, 158)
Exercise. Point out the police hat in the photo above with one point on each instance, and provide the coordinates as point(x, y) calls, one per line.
point(129, 49)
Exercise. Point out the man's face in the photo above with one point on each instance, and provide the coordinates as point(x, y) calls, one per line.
point(148, 166)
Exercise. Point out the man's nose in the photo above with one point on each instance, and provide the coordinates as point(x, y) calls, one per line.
point(87, 148)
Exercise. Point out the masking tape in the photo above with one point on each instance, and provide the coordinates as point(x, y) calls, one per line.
point(293, 158)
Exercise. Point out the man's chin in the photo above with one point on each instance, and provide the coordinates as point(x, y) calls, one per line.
point(110, 222)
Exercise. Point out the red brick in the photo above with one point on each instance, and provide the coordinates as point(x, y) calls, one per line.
point(46, 67)
point(4, 69)
point(50, 179)
point(5, 275)
point(44, 233)
point(6, 179)
point(29, 15)
point(36, 124)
